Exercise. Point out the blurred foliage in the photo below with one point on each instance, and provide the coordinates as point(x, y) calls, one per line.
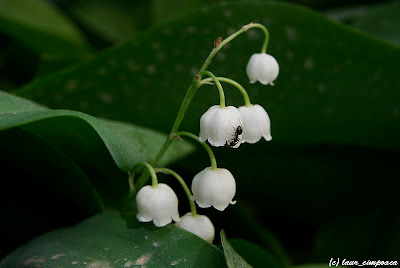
point(324, 187)
point(381, 20)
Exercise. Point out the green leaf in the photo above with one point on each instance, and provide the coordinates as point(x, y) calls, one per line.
point(255, 255)
point(122, 140)
point(105, 241)
point(40, 26)
point(90, 142)
point(233, 259)
point(314, 96)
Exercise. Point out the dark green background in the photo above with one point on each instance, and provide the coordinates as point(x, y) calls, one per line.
point(326, 186)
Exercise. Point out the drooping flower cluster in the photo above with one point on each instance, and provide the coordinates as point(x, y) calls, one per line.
point(220, 125)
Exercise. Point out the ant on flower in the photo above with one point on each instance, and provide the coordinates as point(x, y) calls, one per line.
point(236, 140)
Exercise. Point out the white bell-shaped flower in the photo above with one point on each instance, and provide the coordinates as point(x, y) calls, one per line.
point(256, 123)
point(219, 126)
point(262, 67)
point(159, 204)
point(199, 225)
point(214, 188)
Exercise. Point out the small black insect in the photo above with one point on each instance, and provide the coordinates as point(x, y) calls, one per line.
point(239, 131)
point(233, 142)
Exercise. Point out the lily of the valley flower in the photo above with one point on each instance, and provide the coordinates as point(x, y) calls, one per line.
point(219, 126)
point(262, 67)
point(214, 188)
point(199, 225)
point(256, 123)
point(159, 204)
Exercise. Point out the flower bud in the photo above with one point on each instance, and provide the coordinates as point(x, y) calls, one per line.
point(214, 188)
point(199, 225)
point(218, 126)
point(159, 204)
point(256, 123)
point(262, 67)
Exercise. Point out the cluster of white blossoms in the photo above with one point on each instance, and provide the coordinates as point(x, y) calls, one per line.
point(220, 125)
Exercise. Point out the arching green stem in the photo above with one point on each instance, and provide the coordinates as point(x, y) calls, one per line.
point(233, 36)
point(234, 83)
point(131, 181)
point(184, 185)
point(219, 86)
point(178, 120)
point(192, 90)
point(150, 169)
point(262, 27)
point(208, 149)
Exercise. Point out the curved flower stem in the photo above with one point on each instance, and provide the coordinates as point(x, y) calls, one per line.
point(150, 169)
point(208, 149)
point(131, 181)
point(219, 86)
point(262, 27)
point(181, 113)
point(233, 36)
point(192, 90)
point(184, 185)
point(234, 83)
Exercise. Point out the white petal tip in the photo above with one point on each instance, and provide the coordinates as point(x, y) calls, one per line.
point(143, 219)
point(268, 138)
point(233, 202)
point(202, 206)
point(158, 224)
point(220, 208)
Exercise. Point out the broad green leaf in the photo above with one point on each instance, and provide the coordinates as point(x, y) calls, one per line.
point(314, 96)
point(105, 241)
point(34, 172)
point(125, 144)
point(255, 255)
point(233, 259)
point(40, 26)
point(90, 142)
